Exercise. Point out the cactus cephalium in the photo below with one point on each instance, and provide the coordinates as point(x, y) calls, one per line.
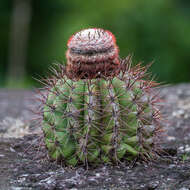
point(99, 109)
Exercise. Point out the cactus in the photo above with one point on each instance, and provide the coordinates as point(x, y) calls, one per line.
point(99, 109)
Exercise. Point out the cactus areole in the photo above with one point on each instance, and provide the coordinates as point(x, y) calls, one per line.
point(99, 109)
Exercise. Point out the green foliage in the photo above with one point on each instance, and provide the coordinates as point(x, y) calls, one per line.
point(152, 30)
point(185, 157)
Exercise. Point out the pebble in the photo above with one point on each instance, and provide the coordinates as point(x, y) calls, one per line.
point(178, 113)
point(12, 149)
point(186, 116)
point(172, 166)
point(2, 155)
point(184, 149)
point(171, 138)
point(16, 188)
point(187, 148)
point(16, 127)
point(184, 188)
point(153, 185)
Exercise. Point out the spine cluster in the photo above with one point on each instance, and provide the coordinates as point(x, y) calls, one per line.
point(99, 109)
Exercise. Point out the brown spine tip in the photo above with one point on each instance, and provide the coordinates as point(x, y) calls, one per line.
point(92, 53)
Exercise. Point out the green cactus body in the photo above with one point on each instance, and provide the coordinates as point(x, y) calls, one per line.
point(99, 109)
point(95, 121)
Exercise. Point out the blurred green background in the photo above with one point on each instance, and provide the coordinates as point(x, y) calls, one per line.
point(34, 33)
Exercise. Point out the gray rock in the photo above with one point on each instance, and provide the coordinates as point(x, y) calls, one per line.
point(21, 165)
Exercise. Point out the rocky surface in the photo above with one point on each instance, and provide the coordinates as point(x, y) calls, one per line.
point(23, 166)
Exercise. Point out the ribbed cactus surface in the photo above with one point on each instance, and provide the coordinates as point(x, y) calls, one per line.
point(98, 120)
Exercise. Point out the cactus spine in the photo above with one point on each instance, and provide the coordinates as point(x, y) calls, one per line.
point(99, 109)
